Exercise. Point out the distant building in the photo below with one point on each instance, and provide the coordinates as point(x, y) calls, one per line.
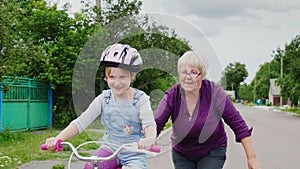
point(274, 93)
point(230, 93)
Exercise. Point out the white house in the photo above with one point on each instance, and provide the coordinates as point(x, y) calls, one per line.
point(230, 93)
point(274, 93)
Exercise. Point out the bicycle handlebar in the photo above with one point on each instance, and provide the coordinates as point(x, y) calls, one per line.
point(58, 146)
point(131, 147)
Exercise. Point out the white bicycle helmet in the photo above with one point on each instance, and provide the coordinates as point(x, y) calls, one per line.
point(122, 56)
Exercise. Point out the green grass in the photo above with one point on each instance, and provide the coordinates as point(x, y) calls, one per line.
point(17, 148)
point(293, 110)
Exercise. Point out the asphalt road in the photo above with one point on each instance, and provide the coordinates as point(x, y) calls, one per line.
point(276, 138)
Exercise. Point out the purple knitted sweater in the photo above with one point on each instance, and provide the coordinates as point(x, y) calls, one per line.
point(195, 136)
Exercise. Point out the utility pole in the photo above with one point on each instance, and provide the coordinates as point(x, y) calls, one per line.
point(281, 67)
point(281, 76)
point(254, 92)
point(98, 4)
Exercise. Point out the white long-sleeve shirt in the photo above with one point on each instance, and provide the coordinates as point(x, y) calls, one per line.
point(95, 110)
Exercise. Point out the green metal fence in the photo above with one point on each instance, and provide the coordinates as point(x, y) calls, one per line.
point(25, 104)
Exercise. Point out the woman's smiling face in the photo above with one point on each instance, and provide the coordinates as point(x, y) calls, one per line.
point(190, 78)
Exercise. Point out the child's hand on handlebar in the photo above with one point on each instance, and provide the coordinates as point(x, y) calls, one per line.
point(146, 143)
point(51, 143)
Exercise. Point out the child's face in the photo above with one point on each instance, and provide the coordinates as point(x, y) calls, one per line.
point(118, 80)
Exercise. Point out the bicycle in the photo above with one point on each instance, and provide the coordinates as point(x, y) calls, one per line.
point(133, 147)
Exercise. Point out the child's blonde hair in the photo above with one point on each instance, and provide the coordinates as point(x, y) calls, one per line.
point(108, 70)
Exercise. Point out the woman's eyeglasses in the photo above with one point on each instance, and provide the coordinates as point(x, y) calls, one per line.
point(191, 74)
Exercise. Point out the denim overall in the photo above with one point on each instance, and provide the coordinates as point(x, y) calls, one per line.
point(123, 125)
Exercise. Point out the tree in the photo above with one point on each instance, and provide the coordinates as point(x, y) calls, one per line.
point(49, 53)
point(20, 56)
point(63, 39)
point(233, 76)
point(155, 43)
point(290, 81)
point(7, 37)
point(261, 82)
point(115, 9)
point(55, 52)
point(246, 92)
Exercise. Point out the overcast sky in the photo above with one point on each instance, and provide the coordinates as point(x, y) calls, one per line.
point(238, 31)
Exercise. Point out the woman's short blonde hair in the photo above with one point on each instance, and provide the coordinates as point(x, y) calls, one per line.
point(192, 59)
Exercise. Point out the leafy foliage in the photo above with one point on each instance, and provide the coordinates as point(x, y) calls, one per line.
point(233, 76)
point(115, 9)
point(19, 56)
point(290, 82)
point(261, 83)
point(246, 92)
point(44, 42)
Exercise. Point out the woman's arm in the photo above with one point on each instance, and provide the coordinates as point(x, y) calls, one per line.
point(162, 113)
point(253, 163)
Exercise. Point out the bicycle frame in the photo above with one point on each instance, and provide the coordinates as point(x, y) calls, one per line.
point(95, 159)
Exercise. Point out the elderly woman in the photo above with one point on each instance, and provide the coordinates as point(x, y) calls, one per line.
point(196, 107)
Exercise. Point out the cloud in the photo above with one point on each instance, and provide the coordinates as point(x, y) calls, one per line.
point(219, 8)
point(243, 31)
point(213, 15)
point(205, 9)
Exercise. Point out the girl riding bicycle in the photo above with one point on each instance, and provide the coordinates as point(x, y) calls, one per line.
point(126, 111)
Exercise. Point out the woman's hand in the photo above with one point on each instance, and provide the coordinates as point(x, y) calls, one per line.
point(253, 163)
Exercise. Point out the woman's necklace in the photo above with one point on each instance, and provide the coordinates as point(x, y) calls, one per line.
point(191, 103)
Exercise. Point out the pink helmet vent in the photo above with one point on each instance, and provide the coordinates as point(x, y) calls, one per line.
point(122, 56)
